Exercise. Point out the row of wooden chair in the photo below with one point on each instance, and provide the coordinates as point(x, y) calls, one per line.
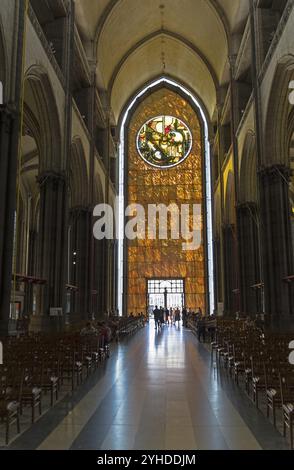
point(33, 369)
point(260, 361)
point(128, 326)
point(38, 364)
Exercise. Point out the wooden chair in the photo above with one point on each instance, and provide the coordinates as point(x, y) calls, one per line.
point(10, 399)
point(51, 377)
point(32, 391)
point(287, 395)
point(258, 377)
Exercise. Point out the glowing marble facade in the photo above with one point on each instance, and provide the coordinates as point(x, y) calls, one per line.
point(182, 184)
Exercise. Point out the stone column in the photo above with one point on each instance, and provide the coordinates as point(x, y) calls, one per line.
point(231, 304)
point(105, 275)
point(217, 271)
point(51, 252)
point(277, 244)
point(250, 299)
point(81, 232)
point(98, 277)
point(112, 275)
point(9, 123)
point(29, 288)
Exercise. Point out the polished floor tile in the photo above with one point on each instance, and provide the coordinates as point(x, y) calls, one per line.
point(157, 391)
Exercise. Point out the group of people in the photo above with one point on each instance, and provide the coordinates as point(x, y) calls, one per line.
point(169, 316)
point(205, 325)
point(103, 328)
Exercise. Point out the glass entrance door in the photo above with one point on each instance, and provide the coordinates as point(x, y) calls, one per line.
point(167, 293)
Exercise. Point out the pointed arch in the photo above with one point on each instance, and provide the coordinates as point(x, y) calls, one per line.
point(278, 111)
point(230, 213)
point(124, 119)
point(3, 62)
point(248, 175)
point(78, 181)
point(40, 100)
point(98, 190)
point(168, 34)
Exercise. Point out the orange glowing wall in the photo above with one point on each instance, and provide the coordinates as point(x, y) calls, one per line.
point(182, 184)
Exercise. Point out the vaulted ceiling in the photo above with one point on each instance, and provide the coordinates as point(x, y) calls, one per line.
point(135, 41)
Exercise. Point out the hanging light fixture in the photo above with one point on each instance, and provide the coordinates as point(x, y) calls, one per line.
point(163, 61)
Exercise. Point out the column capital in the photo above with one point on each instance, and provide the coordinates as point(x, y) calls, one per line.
point(77, 212)
point(276, 172)
point(9, 109)
point(81, 210)
point(227, 226)
point(245, 206)
point(8, 113)
point(51, 176)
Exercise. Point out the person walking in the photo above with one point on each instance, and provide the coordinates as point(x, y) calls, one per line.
point(201, 329)
point(177, 316)
point(167, 316)
point(156, 316)
point(171, 316)
point(184, 317)
point(161, 316)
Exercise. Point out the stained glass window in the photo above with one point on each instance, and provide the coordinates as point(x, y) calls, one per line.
point(164, 259)
point(164, 141)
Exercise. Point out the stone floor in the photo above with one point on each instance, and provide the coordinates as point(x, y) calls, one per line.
point(157, 391)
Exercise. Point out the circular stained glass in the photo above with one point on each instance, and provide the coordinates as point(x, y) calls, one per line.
point(164, 141)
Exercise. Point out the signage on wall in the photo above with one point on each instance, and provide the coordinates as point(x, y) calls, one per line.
point(56, 312)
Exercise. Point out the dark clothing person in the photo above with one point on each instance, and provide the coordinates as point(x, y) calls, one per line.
point(177, 316)
point(167, 315)
point(201, 330)
point(184, 317)
point(156, 314)
point(161, 316)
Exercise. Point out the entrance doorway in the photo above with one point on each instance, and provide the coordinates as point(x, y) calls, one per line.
point(167, 293)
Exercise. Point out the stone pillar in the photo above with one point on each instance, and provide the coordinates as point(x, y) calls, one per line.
point(231, 299)
point(105, 275)
point(112, 275)
point(9, 123)
point(29, 288)
point(98, 277)
point(81, 232)
point(277, 244)
point(51, 252)
point(217, 271)
point(250, 299)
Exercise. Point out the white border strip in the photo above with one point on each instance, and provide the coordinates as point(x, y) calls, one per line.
point(121, 194)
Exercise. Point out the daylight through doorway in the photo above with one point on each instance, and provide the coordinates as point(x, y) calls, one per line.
point(167, 293)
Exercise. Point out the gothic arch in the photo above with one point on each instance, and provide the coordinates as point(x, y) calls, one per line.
point(279, 108)
point(248, 175)
point(98, 191)
point(230, 211)
point(168, 34)
point(78, 181)
point(171, 83)
point(40, 100)
point(3, 61)
point(216, 7)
